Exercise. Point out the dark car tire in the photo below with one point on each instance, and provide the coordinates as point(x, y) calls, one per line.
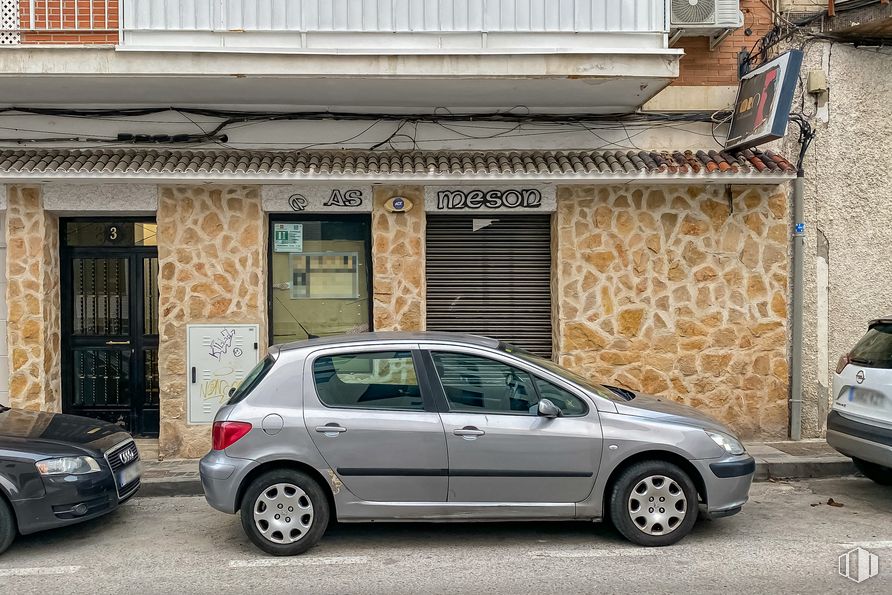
point(7, 526)
point(878, 473)
point(657, 479)
point(308, 491)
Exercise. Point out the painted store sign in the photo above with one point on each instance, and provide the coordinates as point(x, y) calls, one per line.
point(527, 198)
point(317, 199)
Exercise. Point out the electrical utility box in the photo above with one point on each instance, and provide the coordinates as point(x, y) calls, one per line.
point(218, 358)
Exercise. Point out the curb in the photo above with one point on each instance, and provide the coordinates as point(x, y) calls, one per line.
point(806, 468)
point(154, 488)
point(803, 468)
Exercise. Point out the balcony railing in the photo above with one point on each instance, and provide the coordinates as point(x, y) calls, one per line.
point(29, 22)
point(339, 25)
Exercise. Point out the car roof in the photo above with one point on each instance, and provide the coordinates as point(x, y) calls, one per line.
point(392, 336)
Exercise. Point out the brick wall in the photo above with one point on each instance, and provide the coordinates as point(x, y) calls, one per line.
point(702, 66)
point(70, 21)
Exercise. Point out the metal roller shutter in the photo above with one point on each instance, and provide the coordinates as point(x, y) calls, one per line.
point(495, 281)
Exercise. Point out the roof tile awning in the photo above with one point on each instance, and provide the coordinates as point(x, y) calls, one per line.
point(567, 167)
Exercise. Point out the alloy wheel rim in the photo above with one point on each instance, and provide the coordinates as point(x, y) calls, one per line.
point(657, 505)
point(283, 513)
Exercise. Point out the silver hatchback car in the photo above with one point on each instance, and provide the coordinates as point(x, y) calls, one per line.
point(441, 427)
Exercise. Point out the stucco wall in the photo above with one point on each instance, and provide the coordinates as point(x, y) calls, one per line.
point(4, 347)
point(33, 300)
point(670, 291)
point(211, 253)
point(848, 204)
point(398, 261)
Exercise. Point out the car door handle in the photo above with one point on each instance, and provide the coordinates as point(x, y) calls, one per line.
point(469, 431)
point(331, 429)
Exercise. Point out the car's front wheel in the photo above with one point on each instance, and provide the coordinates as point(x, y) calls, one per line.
point(7, 526)
point(878, 473)
point(653, 503)
point(284, 512)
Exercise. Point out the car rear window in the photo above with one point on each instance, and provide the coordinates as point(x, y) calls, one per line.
point(251, 380)
point(875, 349)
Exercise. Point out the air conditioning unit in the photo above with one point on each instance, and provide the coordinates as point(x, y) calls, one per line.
point(715, 19)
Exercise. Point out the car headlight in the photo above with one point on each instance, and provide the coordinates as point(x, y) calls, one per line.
point(68, 466)
point(730, 444)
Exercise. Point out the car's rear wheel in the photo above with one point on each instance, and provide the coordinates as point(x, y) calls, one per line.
point(878, 473)
point(7, 526)
point(284, 512)
point(653, 503)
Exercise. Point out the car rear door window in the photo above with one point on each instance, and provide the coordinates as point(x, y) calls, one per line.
point(380, 380)
point(476, 384)
point(874, 350)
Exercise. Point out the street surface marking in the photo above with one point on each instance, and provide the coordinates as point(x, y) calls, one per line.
point(39, 571)
point(324, 561)
point(870, 545)
point(593, 553)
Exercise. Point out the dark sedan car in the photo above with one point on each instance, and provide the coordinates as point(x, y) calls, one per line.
point(57, 470)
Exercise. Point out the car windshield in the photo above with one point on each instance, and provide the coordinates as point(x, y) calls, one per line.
point(581, 381)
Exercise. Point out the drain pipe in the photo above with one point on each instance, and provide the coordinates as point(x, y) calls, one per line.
point(806, 136)
point(796, 309)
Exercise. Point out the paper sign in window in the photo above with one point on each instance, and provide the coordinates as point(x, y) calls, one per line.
point(331, 275)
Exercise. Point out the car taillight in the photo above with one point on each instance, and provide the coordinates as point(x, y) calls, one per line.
point(227, 433)
point(842, 363)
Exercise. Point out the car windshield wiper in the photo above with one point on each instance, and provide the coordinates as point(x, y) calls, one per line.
point(861, 360)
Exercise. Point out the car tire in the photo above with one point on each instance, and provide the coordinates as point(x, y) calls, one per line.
point(7, 526)
point(284, 512)
point(878, 473)
point(635, 500)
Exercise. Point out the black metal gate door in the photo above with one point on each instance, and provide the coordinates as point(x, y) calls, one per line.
point(110, 322)
point(490, 274)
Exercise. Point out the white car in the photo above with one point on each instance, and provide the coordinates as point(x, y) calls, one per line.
point(860, 422)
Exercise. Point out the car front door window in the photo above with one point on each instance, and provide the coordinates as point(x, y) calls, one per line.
point(474, 384)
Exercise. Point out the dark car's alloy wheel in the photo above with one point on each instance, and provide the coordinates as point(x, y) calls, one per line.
point(284, 512)
point(7, 526)
point(878, 473)
point(654, 503)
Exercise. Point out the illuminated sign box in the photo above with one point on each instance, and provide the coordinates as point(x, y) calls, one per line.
point(764, 99)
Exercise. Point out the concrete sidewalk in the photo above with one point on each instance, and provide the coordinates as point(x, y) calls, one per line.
point(774, 460)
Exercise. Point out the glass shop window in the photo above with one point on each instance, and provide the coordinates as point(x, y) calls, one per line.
point(321, 282)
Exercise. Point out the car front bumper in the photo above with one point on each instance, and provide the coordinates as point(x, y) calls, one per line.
point(68, 500)
point(859, 440)
point(221, 477)
point(727, 483)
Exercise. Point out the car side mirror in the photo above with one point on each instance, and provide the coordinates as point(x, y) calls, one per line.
point(549, 409)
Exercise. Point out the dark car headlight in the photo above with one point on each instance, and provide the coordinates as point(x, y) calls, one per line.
point(729, 444)
point(68, 466)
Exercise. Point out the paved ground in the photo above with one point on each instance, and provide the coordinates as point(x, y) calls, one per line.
point(786, 541)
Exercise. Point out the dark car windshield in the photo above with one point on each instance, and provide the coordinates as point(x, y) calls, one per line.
point(874, 350)
point(581, 381)
point(251, 380)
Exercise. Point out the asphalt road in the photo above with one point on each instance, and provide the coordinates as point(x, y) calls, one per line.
point(786, 540)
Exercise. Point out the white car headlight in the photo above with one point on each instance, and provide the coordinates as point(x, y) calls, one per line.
point(68, 466)
point(730, 444)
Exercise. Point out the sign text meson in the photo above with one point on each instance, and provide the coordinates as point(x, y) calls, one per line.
point(526, 198)
point(491, 199)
